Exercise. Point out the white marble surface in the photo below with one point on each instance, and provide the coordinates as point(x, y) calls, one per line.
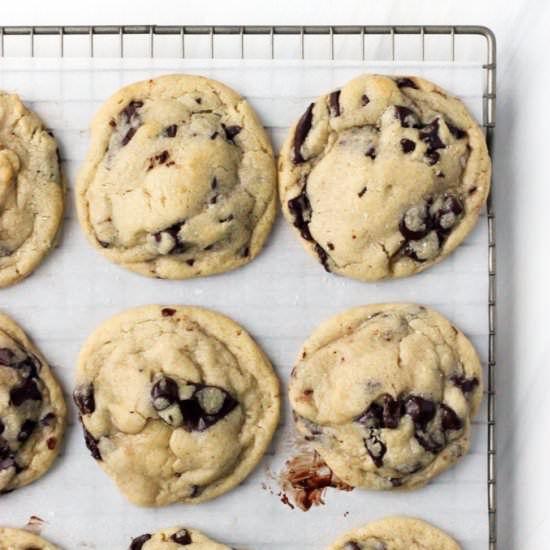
point(522, 181)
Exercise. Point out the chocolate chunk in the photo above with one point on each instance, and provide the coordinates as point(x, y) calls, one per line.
point(396, 482)
point(214, 183)
point(129, 135)
point(449, 419)
point(365, 100)
point(432, 157)
point(112, 123)
point(168, 312)
point(372, 417)
point(432, 442)
point(28, 391)
point(300, 208)
point(227, 219)
point(419, 409)
point(6, 357)
point(407, 117)
point(445, 214)
point(362, 192)
point(92, 444)
point(131, 110)
point(392, 411)
point(48, 419)
point(410, 252)
point(302, 130)
point(26, 431)
point(371, 152)
point(190, 262)
point(323, 256)
point(29, 367)
point(330, 246)
point(407, 145)
point(415, 223)
point(457, 133)
point(376, 448)
point(2, 427)
point(231, 131)
point(245, 252)
point(179, 246)
point(334, 102)
point(195, 491)
point(138, 542)
point(84, 398)
point(467, 385)
point(430, 135)
point(161, 158)
point(182, 537)
point(406, 83)
point(51, 443)
point(165, 392)
point(170, 131)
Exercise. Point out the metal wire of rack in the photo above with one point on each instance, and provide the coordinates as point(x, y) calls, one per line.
point(273, 34)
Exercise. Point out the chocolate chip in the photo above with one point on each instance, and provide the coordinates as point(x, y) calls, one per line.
point(214, 183)
point(48, 420)
point(138, 542)
point(432, 157)
point(2, 427)
point(430, 135)
point(330, 246)
point(228, 218)
point(432, 442)
point(416, 222)
point(131, 110)
point(6, 356)
point(334, 102)
point(391, 412)
point(26, 431)
point(112, 123)
point(231, 131)
point(467, 385)
point(362, 192)
point(103, 244)
point(300, 208)
point(245, 252)
point(302, 130)
point(51, 443)
point(351, 545)
point(165, 392)
point(365, 100)
point(170, 131)
point(372, 417)
point(396, 482)
point(445, 214)
point(162, 157)
point(376, 448)
point(129, 135)
point(168, 312)
point(449, 419)
point(84, 398)
point(214, 199)
point(28, 391)
point(407, 145)
point(419, 409)
point(182, 537)
point(407, 117)
point(92, 444)
point(195, 491)
point(371, 152)
point(406, 83)
point(457, 133)
point(190, 262)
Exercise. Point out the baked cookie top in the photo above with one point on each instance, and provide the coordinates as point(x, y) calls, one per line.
point(173, 539)
point(32, 410)
point(179, 180)
point(18, 539)
point(384, 177)
point(178, 403)
point(31, 190)
point(395, 533)
point(386, 394)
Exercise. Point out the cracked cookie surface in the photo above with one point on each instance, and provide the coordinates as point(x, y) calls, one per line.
point(386, 393)
point(31, 190)
point(395, 533)
point(32, 410)
point(384, 177)
point(18, 539)
point(178, 403)
point(174, 539)
point(180, 179)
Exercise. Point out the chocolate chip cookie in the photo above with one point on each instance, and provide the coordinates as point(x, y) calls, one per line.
point(395, 533)
point(386, 394)
point(18, 539)
point(31, 190)
point(179, 180)
point(178, 404)
point(384, 177)
point(171, 539)
point(32, 410)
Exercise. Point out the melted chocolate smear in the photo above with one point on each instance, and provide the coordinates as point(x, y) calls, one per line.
point(84, 399)
point(92, 444)
point(182, 537)
point(305, 478)
point(28, 391)
point(407, 145)
point(170, 131)
point(302, 130)
point(334, 102)
point(406, 83)
point(416, 234)
point(138, 542)
point(467, 385)
point(231, 131)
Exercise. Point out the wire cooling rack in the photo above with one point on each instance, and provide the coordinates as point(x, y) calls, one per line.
point(419, 44)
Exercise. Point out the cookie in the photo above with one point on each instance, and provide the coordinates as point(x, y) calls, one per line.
point(32, 410)
point(178, 403)
point(384, 177)
point(180, 179)
point(172, 539)
point(18, 539)
point(395, 533)
point(386, 394)
point(31, 190)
